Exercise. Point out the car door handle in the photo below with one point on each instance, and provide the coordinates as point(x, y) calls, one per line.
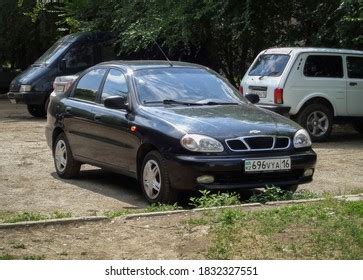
point(68, 109)
point(97, 117)
point(353, 84)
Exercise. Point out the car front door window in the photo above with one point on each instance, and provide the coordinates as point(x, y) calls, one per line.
point(115, 85)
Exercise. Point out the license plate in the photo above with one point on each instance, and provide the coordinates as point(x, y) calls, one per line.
point(12, 101)
point(261, 165)
point(261, 94)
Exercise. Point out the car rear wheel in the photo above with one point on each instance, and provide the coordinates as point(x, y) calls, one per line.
point(37, 111)
point(317, 119)
point(66, 166)
point(358, 126)
point(154, 180)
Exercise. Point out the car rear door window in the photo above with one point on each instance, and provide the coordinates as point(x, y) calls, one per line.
point(355, 67)
point(89, 85)
point(115, 85)
point(324, 66)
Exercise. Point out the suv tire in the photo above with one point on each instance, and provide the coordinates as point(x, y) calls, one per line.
point(358, 126)
point(317, 119)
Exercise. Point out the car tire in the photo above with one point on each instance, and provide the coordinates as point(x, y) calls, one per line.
point(358, 126)
point(37, 111)
point(154, 180)
point(289, 188)
point(317, 119)
point(65, 165)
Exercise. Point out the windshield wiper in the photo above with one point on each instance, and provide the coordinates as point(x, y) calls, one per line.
point(273, 73)
point(171, 102)
point(218, 103)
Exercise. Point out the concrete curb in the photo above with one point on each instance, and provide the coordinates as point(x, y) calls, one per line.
point(173, 212)
point(53, 222)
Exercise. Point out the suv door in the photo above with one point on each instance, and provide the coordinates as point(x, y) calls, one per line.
point(117, 143)
point(79, 114)
point(354, 85)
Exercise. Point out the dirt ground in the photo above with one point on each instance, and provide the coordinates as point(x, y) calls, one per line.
point(164, 237)
point(28, 181)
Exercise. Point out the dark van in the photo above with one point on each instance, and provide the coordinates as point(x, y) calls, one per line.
point(69, 55)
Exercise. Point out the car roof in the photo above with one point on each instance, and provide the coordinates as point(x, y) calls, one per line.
point(148, 64)
point(297, 50)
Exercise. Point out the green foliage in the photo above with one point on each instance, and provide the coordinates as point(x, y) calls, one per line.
point(159, 207)
point(274, 193)
point(224, 35)
point(209, 199)
point(329, 229)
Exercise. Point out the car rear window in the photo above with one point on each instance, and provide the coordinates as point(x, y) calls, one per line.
point(355, 67)
point(269, 65)
point(324, 66)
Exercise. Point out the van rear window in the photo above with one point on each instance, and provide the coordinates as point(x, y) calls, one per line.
point(269, 65)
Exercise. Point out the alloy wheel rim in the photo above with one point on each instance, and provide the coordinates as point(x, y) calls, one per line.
point(317, 123)
point(61, 155)
point(152, 179)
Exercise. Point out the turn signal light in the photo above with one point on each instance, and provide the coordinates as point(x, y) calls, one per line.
point(278, 96)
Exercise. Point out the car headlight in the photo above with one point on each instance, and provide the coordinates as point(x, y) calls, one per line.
point(201, 143)
point(25, 88)
point(302, 139)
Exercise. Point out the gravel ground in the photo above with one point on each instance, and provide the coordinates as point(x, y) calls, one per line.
point(28, 181)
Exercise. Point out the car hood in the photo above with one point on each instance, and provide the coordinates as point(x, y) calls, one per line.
point(225, 121)
point(30, 75)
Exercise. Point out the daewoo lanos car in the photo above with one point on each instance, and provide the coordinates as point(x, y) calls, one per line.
point(174, 127)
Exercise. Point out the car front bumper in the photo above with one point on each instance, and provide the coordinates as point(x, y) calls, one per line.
point(280, 109)
point(229, 174)
point(30, 98)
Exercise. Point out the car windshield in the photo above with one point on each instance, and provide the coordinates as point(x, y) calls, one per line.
point(53, 52)
point(269, 65)
point(184, 86)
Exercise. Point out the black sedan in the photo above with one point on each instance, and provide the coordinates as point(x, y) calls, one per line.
point(174, 127)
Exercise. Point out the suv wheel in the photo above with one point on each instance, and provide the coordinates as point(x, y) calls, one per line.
point(317, 119)
point(358, 126)
point(65, 165)
point(37, 111)
point(154, 180)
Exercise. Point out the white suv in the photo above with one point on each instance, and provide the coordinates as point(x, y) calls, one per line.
point(315, 86)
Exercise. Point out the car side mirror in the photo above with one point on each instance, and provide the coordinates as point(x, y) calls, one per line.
point(253, 98)
point(116, 102)
point(62, 65)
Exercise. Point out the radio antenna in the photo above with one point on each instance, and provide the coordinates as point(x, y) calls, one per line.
point(156, 43)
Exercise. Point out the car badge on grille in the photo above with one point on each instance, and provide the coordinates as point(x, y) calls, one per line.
point(255, 131)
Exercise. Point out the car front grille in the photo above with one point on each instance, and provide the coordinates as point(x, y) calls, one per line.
point(258, 143)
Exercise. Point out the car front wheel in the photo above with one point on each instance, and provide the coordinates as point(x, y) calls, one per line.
point(154, 179)
point(66, 166)
point(317, 119)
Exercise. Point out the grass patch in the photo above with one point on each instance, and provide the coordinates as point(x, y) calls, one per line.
point(276, 194)
point(329, 229)
point(209, 199)
point(8, 217)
